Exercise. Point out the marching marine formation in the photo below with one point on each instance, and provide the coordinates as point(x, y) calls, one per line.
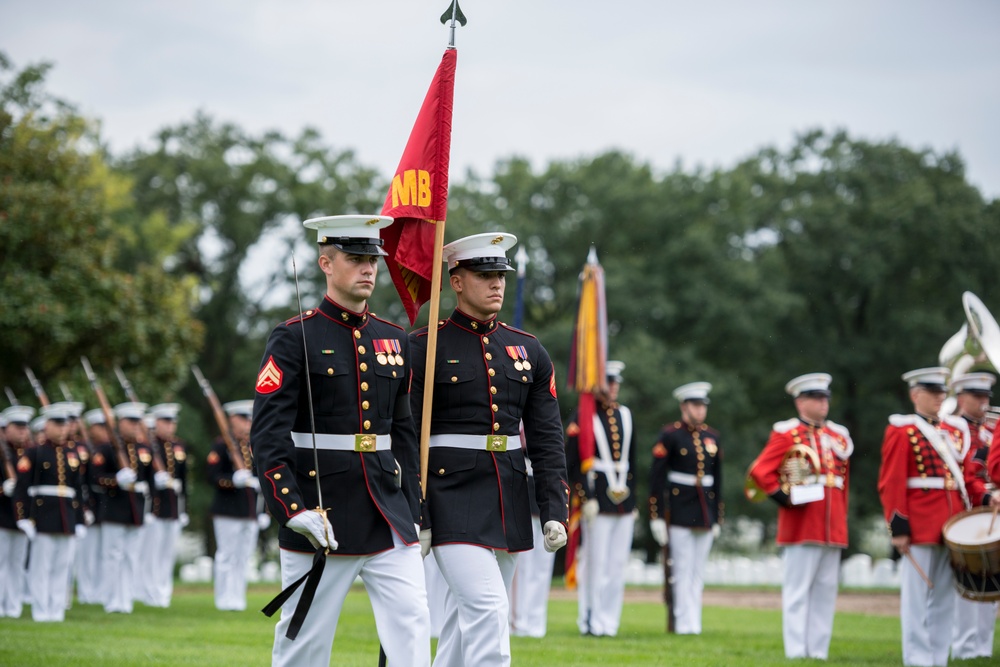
point(488, 379)
point(685, 501)
point(927, 477)
point(607, 494)
point(804, 468)
point(345, 372)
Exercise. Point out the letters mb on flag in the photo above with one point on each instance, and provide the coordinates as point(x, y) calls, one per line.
point(418, 195)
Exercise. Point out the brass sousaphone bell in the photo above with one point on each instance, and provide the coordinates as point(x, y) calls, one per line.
point(799, 464)
point(976, 346)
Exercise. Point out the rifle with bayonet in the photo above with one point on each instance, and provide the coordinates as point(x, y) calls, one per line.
point(220, 419)
point(144, 431)
point(36, 386)
point(109, 416)
point(68, 395)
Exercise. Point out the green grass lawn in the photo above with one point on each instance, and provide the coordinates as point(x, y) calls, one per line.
point(192, 632)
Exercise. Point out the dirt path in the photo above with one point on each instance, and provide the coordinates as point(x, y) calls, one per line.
point(876, 604)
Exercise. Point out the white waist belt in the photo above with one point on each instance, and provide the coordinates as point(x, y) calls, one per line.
point(928, 483)
point(687, 479)
point(51, 490)
point(364, 442)
point(488, 443)
point(838, 481)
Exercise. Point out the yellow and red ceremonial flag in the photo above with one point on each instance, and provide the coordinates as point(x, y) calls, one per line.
point(418, 195)
point(587, 375)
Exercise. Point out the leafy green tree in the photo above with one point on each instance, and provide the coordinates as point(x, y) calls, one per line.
point(70, 285)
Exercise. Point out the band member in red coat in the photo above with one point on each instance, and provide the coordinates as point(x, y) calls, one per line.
point(927, 476)
point(804, 468)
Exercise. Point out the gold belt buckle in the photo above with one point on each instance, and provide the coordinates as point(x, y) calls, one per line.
point(496, 443)
point(830, 481)
point(364, 442)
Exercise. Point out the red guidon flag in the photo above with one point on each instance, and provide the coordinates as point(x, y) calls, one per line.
point(418, 194)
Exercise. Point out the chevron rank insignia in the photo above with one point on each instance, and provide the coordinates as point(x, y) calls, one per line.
point(269, 378)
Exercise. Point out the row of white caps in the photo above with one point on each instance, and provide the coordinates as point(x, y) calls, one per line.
point(22, 414)
point(935, 378)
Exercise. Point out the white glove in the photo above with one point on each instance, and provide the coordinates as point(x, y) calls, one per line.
point(241, 478)
point(554, 535)
point(263, 521)
point(27, 526)
point(591, 508)
point(254, 483)
point(425, 542)
point(141, 487)
point(658, 527)
point(88, 518)
point(162, 480)
point(177, 485)
point(310, 523)
point(80, 531)
point(149, 518)
point(716, 531)
point(8, 487)
point(184, 519)
point(125, 478)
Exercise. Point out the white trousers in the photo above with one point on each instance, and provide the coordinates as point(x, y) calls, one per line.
point(476, 629)
point(48, 574)
point(159, 552)
point(437, 589)
point(607, 543)
point(975, 624)
point(394, 580)
point(119, 563)
point(529, 594)
point(13, 551)
point(926, 614)
point(87, 566)
point(688, 552)
point(809, 599)
point(235, 540)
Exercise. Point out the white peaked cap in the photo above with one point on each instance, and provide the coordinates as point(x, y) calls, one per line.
point(977, 382)
point(355, 234)
point(935, 377)
point(165, 410)
point(95, 416)
point(56, 411)
point(810, 382)
point(20, 414)
point(130, 410)
point(241, 408)
point(71, 408)
point(480, 252)
point(614, 369)
point(38, 423)
point(693, 391)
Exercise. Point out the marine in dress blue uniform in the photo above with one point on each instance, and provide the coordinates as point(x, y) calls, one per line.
point(607, 495)
point(489, 378)
point(235, 508)
point(48, 508)
point(123, 494)
point(685, 499)
point(13, 543)
point(357, 367)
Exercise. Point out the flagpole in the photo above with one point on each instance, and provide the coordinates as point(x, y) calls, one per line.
point(432, 335)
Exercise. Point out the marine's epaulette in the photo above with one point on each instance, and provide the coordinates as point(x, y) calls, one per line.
point(840, 430)
point(670, 428)
point(709, 429)
point(516, 330)
point(392, 324)
point(902, 420)
point(304, 316)
point(785, 426)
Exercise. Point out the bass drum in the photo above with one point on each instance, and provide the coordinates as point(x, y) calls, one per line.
point(975, 553)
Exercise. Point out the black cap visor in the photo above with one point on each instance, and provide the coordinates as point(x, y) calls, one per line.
point(483, 264)
point(356, 245)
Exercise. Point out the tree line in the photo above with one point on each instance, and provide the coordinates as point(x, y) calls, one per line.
point(838, 254)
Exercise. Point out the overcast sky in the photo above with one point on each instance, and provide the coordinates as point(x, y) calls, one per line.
point(706, 83)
